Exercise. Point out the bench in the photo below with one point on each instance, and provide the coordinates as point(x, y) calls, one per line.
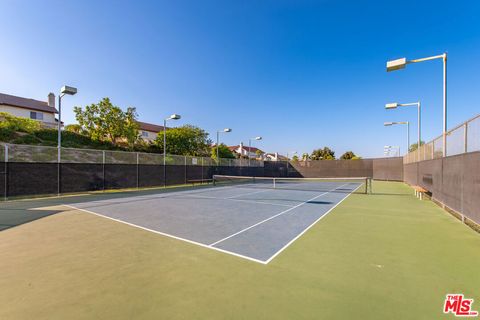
point(199, 181)
point(419, 192)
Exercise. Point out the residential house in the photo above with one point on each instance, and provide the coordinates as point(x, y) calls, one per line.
point(149, 131)
point(42, 111)
point(275, 157)
point(249, 152)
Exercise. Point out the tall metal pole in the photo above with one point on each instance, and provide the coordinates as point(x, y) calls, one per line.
point(164, 152)
point(218, 160)
point(445, 104)
point(419, 137)
point(408, 136)
point(59, 135)
point(59, 143)
point(249, 150)
point(164, 140)
point(419, 126)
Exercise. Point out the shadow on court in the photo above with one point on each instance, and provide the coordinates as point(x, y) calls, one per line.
point(17, 212)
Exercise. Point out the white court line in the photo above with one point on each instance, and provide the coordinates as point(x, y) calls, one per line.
point(169, 194)
point(219, 249)
point(248, 193)
point(240, 200)
point(310, 226)
point(272, 217)
point(167, 235)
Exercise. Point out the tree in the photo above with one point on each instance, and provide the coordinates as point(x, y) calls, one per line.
point(305, 157)
point(131, 126)
point(223, 152)
point(186, 140)
point(105, 122)
point(349, 155)
point(414, 146)
point(323, 154)
point(76, 128)
point(259, 153)
point(295, 158)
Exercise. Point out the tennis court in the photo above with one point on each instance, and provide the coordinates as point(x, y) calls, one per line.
point(252, 218)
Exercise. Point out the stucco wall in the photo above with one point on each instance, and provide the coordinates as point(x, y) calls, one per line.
point(151, 135)
point(25, 113)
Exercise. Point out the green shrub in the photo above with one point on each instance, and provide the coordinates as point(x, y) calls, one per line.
point(18, 124)
point(72, 139)
point(46, 134)
point(6, 134)
point(26, 139)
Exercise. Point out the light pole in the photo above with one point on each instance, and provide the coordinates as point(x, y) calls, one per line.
point(218, 139)
point(250, 147)
point(394, 105)
point(401, 64)
point(172, 117)
point(387, 124)
point(70, 91)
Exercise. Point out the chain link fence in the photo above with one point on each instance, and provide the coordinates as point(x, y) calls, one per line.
point(461, 139)
point(35, 170)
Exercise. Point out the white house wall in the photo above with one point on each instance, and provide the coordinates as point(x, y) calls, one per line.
point(48, 118)
point(151, 135)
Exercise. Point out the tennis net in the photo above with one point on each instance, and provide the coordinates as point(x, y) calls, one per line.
point(348, 185)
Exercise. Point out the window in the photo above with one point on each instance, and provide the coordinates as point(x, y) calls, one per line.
point(36, 115)
point(145, 134)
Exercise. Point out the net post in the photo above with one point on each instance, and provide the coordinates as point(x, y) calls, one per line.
point(274, 183)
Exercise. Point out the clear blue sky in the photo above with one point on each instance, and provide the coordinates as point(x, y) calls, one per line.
point(302, 74)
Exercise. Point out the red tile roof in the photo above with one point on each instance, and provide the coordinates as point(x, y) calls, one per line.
point(248, 149)
point(150, 127)
point(9, 100)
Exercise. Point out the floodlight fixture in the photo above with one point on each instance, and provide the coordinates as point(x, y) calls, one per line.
point(226, 130)
point(250, 146)
point(401, 64)
point(68, 90)
point(172, 117)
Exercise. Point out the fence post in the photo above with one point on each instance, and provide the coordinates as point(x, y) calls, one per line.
point(103, 170)
point(6, 173)
point(165, 170)
point(138, 172)
point(59, 171)
point(185, 158)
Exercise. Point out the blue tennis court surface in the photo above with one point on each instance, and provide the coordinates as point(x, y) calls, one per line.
point(247, 221)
